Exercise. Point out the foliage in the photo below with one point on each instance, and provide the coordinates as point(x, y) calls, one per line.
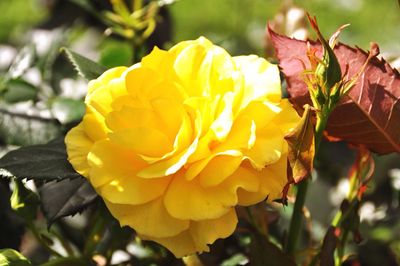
point(376, 127)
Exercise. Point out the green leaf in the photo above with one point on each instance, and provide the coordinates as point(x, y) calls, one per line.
point(10, 257)
point(22, 62)
point(116, 53)
point(44, 162)
point(19, 128)
point(84, 66)
point(68, 110)
point(24, 201)
point(76, 195)
point(19, 90)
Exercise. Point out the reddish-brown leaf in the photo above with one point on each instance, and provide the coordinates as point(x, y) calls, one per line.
point(370, 114)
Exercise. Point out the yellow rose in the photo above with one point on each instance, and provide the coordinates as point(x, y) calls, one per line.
point(174, 143)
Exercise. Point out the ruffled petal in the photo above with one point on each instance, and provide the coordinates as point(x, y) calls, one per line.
point(199, 235)
point(189, 200)
point(113, 174)
point(218, 169)
point(261, 79)
point(143, 140)
point(150, 219)
point(267, 148)
point(78, 145)
point(180, 245)
point(207, 231)
point(272, 179)
point(105, 78)
point(288, 118)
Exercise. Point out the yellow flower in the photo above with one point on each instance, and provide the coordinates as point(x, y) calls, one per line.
point(174, 143)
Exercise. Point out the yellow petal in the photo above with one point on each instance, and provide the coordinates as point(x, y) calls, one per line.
point(272, 179)
point(242, 135)
point(105, 78)
point(288, 118)
point(101, 99)
point(277, 179)
point(267, 148)
point(113, 174)
point(78, 145)
point(194, 169)
point(160, 61)
point(172, 165)
point(99, 102)
point(143, 140)
point(223, 123)
point(207, 231)
point(189, 200)
point(145, 84)
point(262, 113)
point(261, 78)
point(180, 245)
point(169, 166)
point(150, 219)
point(204, 69)
point(199, 236)
point(130, 117)
point(218, 169)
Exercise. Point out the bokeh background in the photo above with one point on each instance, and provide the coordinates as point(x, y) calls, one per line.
point(43, 98)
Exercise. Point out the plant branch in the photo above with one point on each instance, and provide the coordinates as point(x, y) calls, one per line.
point(297, 216)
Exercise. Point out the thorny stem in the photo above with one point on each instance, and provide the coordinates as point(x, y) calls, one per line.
point(339, 218)
point(297, 216)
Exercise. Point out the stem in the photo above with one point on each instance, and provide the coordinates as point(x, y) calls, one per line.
point(319, 130)
point(297, 216)
point(341, 247)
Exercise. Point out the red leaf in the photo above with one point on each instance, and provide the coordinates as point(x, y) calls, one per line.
point(370, 114)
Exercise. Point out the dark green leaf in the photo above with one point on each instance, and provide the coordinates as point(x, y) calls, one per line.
point(19, 90)
point(44, 162)
point(68, 110)
point(10, 257)
point(76, 195)
point(85, 67)
point(106, 233)
point(263, 253)
point(18, 128)
point(24, 201)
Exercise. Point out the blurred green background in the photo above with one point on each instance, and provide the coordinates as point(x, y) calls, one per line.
point(239, 24)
